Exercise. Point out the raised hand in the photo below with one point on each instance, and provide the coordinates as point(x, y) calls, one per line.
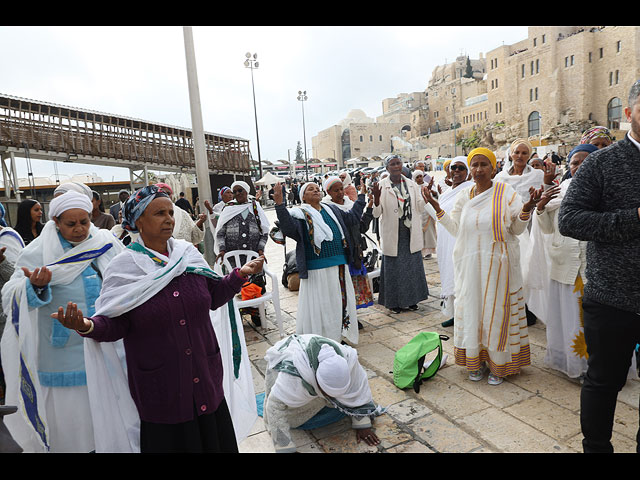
point(39, 278)
point(549, 172)
point(547, 196)
point(375, 189)
point(534, 198)
point(277, 193)
point(252, 267)
point(73, 318)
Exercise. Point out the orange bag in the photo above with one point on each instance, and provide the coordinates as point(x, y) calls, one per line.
point(250, 290)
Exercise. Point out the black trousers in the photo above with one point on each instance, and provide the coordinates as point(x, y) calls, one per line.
point(211, 433)
point(611, 335)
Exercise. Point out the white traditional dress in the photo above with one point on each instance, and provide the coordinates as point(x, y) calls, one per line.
point(532, 287)
point(42, 360)
point(566, 347)
point(444, 250)
point(490, 321)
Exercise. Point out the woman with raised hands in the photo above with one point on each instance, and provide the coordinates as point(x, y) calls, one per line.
point(44, 363)
point(324, 251)
point(490, 327)
point(156, 297)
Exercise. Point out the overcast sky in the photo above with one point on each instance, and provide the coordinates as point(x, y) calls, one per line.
point(140, 72)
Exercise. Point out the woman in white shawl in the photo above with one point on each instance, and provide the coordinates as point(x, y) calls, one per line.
point(521, 177)
point(358, 271)
point(444, 250)
point(490, 324)
point(566, 347)
point(324, 250)
point(242, 224)
point(308, 373)
point(156, 301)
point(43, 361)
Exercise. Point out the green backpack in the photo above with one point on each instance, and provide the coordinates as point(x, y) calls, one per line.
point(408, 364)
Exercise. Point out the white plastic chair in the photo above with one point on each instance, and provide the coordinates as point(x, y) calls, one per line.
point(241, 257)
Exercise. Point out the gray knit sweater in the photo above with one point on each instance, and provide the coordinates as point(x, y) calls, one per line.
point(601, 206)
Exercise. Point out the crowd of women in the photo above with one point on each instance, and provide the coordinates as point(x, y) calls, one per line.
point(118, 335)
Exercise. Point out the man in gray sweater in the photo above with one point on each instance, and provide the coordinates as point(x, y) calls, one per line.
point(602, 207)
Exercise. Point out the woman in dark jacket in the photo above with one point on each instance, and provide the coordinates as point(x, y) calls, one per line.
point(324, 251)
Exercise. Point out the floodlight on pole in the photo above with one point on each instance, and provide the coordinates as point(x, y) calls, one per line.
point(302, 96)
point(252, 62)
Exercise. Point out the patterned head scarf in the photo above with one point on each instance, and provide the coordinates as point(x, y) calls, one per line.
point(222, 190)
point(164, 185)
point(329, 182)
point(136, 205)
point(2, 214)
point(596, 132)
point(521, 141)
point(388, 158)
point(482, 151)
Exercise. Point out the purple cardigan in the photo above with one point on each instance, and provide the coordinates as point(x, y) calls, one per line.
point(173, 359)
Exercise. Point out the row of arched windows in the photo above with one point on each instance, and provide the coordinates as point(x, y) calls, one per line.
point(614, 117)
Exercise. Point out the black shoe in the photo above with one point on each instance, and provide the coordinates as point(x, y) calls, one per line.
point(255, 319)
point(531, 318)
point(413, 307)
point(396, 310)
point(360, 326)
point(448, 323)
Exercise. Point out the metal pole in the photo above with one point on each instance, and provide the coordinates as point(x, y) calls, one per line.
point(199, 148)
point(304, 136)
point(255, 113)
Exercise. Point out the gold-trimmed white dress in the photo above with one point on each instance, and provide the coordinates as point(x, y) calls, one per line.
point(490, 321)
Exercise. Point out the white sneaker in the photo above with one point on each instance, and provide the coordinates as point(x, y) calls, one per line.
point(494, 379)
point(476, 375)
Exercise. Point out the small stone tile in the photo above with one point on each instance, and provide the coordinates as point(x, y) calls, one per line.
point(442, 435)
point(548, 417)
point(410, 447)
point(509, 434)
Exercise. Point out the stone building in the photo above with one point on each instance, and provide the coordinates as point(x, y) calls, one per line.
point(359, 136)
point(549, 87)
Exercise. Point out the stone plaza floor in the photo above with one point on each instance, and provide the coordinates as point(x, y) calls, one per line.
point(536, 411)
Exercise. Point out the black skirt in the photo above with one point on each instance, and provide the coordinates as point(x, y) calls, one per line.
point(210, 433)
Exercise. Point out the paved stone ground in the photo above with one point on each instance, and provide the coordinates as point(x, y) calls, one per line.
point(536, 411)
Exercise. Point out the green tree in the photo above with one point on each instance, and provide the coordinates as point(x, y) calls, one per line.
point(469, 71)
point(299, 154)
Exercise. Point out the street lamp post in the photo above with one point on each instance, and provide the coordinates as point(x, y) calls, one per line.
point(302, 96)
point(252, 62)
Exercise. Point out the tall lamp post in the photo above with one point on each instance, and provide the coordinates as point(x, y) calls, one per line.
point(252, 62)
point(302, 96)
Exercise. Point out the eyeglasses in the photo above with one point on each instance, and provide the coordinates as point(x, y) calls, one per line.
point(457, 167)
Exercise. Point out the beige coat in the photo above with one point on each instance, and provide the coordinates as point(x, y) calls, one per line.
point(387, 211)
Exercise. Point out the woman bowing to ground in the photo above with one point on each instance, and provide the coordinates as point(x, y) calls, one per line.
point(324, 250)
point(157, 296)
point(490, 324)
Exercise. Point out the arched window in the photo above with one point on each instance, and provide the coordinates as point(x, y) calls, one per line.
point(614, 113)
point(534, 123)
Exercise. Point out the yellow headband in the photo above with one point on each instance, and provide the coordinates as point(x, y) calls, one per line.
point(482, 151)
point(446, 164)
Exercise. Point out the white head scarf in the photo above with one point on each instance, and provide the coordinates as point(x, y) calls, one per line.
point(460, 159)
point(242, 184)
point(333, 372)
point(67, 201)
point(347, 179)
point(73, 187)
